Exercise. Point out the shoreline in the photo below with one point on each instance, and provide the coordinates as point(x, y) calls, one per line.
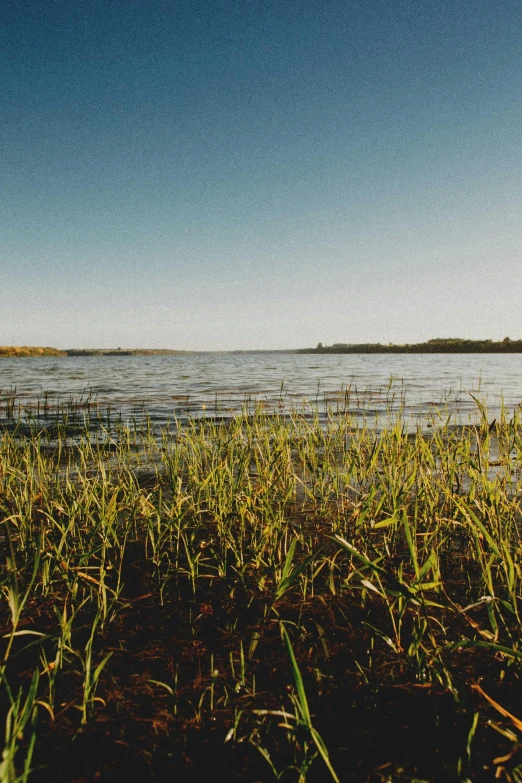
point(436, 346)
point(24, 351)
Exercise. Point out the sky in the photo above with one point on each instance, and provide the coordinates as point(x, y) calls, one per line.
point(256, 174)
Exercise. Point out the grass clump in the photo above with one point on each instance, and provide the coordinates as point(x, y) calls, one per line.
point(275, 596)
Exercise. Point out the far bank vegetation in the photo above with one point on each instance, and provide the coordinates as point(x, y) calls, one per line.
point(437, 345)
point(24, 350)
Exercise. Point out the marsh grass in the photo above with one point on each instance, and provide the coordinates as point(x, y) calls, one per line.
point(274, 596)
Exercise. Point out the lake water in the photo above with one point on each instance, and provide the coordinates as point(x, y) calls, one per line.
point(219, 384)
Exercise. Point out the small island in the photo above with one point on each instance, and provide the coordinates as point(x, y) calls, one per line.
point(437, 345)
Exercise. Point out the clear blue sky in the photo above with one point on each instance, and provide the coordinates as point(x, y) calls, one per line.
point(220, 174)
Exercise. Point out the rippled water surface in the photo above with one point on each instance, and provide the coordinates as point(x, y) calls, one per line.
point(209, 384)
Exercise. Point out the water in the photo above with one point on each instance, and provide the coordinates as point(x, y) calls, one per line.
point(218, 384)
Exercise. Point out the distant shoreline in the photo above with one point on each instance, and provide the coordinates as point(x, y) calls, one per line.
point(25, 351)
point(436, 346)
point(451, 345)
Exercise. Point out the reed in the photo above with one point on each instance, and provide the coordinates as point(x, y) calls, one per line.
point(287, 596)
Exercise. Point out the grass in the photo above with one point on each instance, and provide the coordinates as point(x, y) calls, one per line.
point(277, 597)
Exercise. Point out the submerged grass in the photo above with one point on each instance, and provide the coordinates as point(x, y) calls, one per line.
point(270, 597)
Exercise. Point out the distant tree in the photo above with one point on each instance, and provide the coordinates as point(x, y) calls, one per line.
point(319, 346)
point(506, 340)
